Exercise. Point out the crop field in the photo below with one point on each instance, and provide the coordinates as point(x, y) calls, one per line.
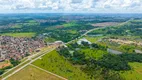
point(135, 73)
point(29, 35)
point(32, 73)
point(55, 63)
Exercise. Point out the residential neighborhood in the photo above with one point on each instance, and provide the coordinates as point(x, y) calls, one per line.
point(17, 48)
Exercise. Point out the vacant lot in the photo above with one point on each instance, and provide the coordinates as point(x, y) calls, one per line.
point(55, 63)
point(32, 73)
point(105, 24)
point(29, 35)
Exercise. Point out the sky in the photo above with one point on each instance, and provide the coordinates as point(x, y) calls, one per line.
point(70, 6)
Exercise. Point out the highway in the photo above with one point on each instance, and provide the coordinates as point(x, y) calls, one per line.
point(31, 61)
point(85, 34)
point(43, 53)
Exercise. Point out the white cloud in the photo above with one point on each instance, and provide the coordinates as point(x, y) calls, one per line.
point(73, 5)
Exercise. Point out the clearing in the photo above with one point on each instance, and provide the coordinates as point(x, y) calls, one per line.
point(104, 24)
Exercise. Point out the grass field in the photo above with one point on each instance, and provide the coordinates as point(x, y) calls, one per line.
point(93, 53)
point(17, 26)
point(135, 73)
point(93, 39)
point(70, 24)
point(49, 39)
point(32, 73)
point(55, 63)
point(29, 35)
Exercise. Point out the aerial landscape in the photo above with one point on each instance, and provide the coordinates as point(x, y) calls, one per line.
point(71, 40)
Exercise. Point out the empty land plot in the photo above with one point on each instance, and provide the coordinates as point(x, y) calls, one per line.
point(33, 73)
point(57, 64)
point(104, 24)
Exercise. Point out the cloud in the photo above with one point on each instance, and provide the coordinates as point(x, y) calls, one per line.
point(73, 5)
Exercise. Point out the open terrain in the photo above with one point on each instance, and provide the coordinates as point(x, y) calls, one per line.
point(99, 35)
point(135, 73)
point(104, 24)
point(33, 73)
point(55, 63)
point(28, 34)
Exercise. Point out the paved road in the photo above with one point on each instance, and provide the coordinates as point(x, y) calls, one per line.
point(84, 34)
point(45, 52)
point(30, 57)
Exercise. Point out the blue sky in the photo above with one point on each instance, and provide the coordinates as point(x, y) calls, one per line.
point(71, 6)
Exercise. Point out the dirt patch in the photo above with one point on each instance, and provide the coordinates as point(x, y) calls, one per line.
point(125, 41)
point(4, 64)
point(105, 24)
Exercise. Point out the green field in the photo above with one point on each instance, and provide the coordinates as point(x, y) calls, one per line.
point(55, 63)
point(93, 53)
point(70, 24)
point(29, 35)
point(49, 39)
point(17, 26)
point(32, 73)
point(135, 73)
point(93, 39)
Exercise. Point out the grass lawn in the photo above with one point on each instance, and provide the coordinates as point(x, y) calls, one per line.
point(55, 63)
point(29, 35)
point(32, 73)
point(135, 74)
